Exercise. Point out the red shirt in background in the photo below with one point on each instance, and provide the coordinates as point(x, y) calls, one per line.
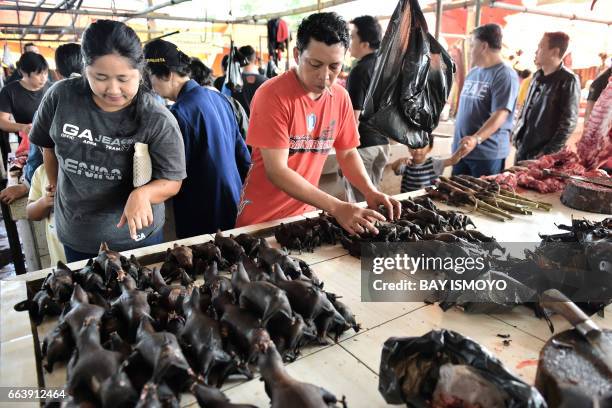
point(283, 116)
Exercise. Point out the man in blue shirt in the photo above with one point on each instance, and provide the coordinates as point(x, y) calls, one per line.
point(486, 106)
point(216, 156)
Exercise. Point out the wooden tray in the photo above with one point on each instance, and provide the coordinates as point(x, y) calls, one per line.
point(349, 367)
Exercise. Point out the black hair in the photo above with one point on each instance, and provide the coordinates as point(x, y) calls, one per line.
point(559, 40)
point(328, 28)
point(105, 37)
point(183, 68)
point(201, 73)
point(491, 34)
point(32, 62)
point(368, 30)
point(225, 62)
point(248, 52)
point(26, 45)
point(524, 74)
point(68, 59)
point(108, 37)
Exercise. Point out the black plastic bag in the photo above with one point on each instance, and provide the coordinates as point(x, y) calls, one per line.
point(271, 69)
point(410, 367)
point(233, 77)
point(411, 81)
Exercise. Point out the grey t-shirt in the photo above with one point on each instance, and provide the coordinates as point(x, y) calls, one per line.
point(95, 150)
point(485, 91)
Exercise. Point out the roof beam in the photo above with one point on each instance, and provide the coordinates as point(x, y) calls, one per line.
point(496, 4)
point(291, 12)
point(40, 29)
point(567, 16)
point(151, 15)
point(150, 9)
point(102, 13)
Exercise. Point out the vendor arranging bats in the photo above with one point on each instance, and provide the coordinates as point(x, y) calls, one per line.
point(296, 119)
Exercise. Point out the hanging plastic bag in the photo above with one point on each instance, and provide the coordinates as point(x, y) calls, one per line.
point(271, 69)
point(233, 78)
point(411, 81)
point(442, 367)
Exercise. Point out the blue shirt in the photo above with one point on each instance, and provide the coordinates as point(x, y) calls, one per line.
point(217, 162)
point(35, 159)
point(485, 91)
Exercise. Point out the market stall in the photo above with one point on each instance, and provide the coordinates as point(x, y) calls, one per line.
point(350, 366)
point(314, 310)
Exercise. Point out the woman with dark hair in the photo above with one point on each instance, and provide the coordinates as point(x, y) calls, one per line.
point(20, 99)
point(88, 128)
point(216, 155)
point(201, 73)
point(18, 103)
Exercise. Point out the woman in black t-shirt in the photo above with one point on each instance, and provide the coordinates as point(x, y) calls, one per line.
point(20, 99)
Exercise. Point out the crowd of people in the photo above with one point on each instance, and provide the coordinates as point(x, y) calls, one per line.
point(234, 156)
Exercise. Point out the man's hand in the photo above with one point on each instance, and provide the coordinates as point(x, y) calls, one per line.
point(12, 193)
point(138, 213)
point(356, 220)
point(27, 128)
point(468, 143)
point(375, 199)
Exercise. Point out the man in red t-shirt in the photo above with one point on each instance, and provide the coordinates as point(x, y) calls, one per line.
point(296, 119)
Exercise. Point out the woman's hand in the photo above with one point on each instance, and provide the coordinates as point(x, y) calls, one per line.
point(356, 220)
point(138, 213)
point(13, 193)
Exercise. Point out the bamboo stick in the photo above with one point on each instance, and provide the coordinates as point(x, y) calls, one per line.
point(505, 192)
point(489, 214)
point(508, 193)
point(510, 207)
point(494, 209)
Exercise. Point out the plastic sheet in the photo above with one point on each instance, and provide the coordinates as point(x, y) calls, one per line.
point(410, 369)
point(411, 81)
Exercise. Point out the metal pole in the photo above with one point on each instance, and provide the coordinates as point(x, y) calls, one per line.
point(13, 237)
point(291, 12)
point(477, 14)
point(438, 18)
point(432, 8)
point(568, 16)
point(240, 20)
point(17, 39)
point(40, 3)
point(162, 36)
point(150, 23)
point(42, 28)
point(152, 8)
point(96, 13)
